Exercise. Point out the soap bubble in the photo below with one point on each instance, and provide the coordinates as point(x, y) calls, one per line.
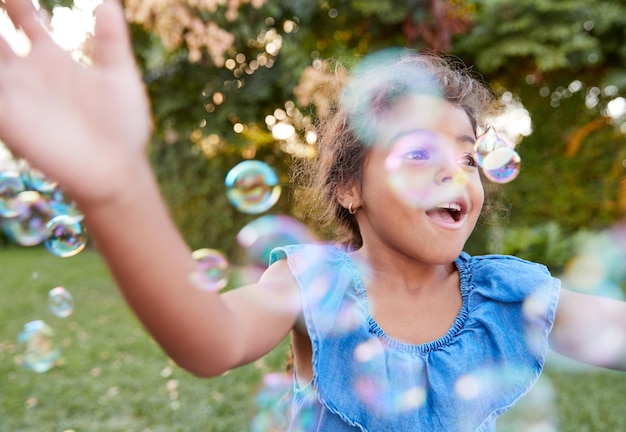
point(66, 236)
point(11, 184)
point(36, 180)
point(372, 87)
point(507, 164)
point(28, 228)
point(497, 157)
point(212, 269)
point(41, 352)
point(252, 187)
point(60, 302)
point(62, 206)
point(262, 235)
point(273, 404)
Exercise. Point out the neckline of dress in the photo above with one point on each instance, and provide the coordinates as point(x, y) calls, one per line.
point(462, 265)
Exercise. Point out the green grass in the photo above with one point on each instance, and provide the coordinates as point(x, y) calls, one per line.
point(113, 377)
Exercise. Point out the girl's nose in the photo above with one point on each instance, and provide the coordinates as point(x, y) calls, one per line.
point(448, 168)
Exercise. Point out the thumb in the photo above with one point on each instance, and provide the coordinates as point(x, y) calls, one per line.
point(112, 46)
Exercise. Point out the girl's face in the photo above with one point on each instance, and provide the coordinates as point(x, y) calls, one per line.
point(421, 193)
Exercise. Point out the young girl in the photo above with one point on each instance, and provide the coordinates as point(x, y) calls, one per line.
point(400, 330)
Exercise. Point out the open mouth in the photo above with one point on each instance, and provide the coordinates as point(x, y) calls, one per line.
point(447, 212)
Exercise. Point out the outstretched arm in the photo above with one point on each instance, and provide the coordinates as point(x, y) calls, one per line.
point(87, 127)
point(591, 329)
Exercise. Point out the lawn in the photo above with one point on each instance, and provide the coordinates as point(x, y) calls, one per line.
point(112, 377)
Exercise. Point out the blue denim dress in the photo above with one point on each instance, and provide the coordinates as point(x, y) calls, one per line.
point(363, 380)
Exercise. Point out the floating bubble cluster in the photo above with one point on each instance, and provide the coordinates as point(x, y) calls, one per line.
point(252, 186)
point(41, 352)
point(212, 269)
point(60, 302)
point(33, 211)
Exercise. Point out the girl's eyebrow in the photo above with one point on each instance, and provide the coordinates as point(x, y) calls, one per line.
point(469, 139)
point(411, 132)
point(466, 139)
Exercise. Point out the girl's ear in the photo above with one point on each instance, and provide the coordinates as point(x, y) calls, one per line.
point(349, 195)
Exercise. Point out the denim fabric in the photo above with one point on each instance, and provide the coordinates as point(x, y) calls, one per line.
point(363, 380)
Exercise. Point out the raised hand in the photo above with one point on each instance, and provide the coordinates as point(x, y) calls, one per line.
point(85, 126)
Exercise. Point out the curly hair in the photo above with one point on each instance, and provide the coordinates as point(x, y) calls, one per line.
point(346, 135)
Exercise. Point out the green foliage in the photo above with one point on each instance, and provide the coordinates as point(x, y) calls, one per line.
point(546, 244)
point(565, 61)
point(551, 35)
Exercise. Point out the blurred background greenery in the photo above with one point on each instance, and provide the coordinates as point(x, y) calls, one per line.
point(221, 73)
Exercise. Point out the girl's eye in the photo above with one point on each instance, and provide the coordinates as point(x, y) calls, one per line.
point(417, 154)
point(469, 160)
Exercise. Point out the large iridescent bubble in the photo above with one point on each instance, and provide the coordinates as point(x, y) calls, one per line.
point(373, 87)
point(260, 236)
point(252, 186)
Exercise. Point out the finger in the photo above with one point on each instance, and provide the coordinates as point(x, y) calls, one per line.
point(112, 46)
point(24, 16)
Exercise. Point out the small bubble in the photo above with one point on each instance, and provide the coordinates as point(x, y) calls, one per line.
point(28, 228)
point(497, 157)
point(252, 187)
point(41, 353)
point(36, 180)
point(11, 184)
point(506, 166)
point(60, 302)
point(212, 269)
point(66, 236)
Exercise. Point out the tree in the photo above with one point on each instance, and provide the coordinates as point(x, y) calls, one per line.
point(565, 62)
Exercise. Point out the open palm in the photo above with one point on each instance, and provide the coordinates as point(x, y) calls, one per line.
point(85, 126)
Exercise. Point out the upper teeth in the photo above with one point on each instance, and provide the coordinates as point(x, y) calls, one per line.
point(450, 206)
